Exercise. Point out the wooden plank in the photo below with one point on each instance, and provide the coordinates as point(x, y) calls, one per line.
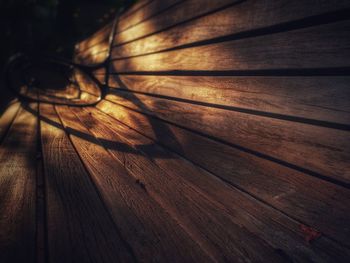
point(142, 14)
point(148, 229)
point(135, 7)
point(171, 17)
point(204, 219)
point(324, 46)
point(319, 149)
point(100, 78)
point(86, 83)
point(99, 37)
point(70, 92)
point(310, 200)
point(95, 55)
point(242, 209)
point(233, 21)
point(79, 227)
point(7, 118)
point(17, 188)
point(319, 98)
point(84, 98)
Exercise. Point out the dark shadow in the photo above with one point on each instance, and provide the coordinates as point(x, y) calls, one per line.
point(107, 144)
point(159, 128)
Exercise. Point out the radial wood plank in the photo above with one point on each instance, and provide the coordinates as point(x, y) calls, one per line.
point(327, 46)
point(319, 149)
point(204, 219)
point(238, 21)
point(242, 209)
point(78, 226)
point(151, 9)
point(317, 98)
point(296, 194)
point(18, 188)
point(148, 229)
point(180, 13)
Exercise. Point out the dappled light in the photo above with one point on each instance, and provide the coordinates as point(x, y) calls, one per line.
point(181, 131)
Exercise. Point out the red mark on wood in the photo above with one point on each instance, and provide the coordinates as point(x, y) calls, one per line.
point(309, 233)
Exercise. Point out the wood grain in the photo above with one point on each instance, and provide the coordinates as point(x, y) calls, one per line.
point(87, 83)
point(285, 50)
point(309, 200)
point(135, 7)
point(320, 149)
point(148, 229)
point(236, 20)
point(97, 55)
point(203, 219)
point(151, 9)
point(98, 37)
point(79, 227)
point(241, 208)
point(318, 98)
point(18, 188)
point(180, 13)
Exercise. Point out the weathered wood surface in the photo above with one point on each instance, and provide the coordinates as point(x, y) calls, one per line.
point(225, 137)
point(97, 55)
point(100, 74)
point(221, 237)
point(319, 98)
point(301, 196)
point(247, 18)
point(7, 118)
point(148, 229)
point(78, 225)
point(135, 7)
point(180, 13)
point(319, 149)
point(297, 49)
point(17, 188)
point(87, 83)
point(84, 98)
point(152, 8)
point(139, 152)
point(92, 42)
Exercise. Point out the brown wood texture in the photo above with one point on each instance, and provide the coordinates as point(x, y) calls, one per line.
point(87, 83)
point(7, 118)
point(83, 98)
point(308, 199)
point(322, 98)
point(180, 13)
point(319, 149)
point(203, 219)
point(97, 39)
point(152, 8)
point(96, 55)
point(99, 75)
point(224, 137)
point(135, 7)
point(79, 227)
point(140, 152)
point(247, 17)
point(148, 229)
point(295, 49)
point(17, 188)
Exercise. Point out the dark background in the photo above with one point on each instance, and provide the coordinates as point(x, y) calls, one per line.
point(50, 26)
